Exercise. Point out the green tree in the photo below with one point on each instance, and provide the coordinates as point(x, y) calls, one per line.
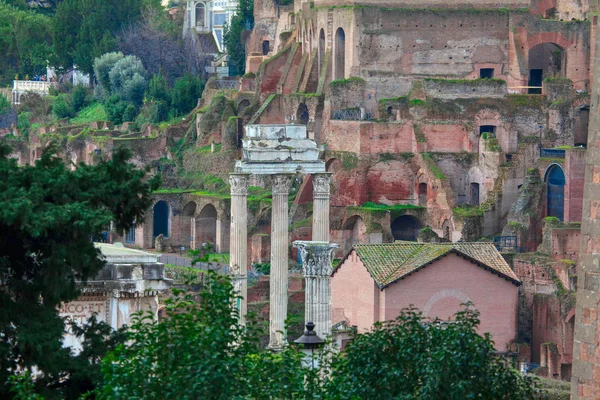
point(416, 358)
point(185, 94)
point(25, 42)
point(128, 79)
point(79, 97)
point(49, 215)
point(198, 350)
point(232, 35)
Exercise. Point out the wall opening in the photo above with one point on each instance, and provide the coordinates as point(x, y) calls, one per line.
point(355, 232)
point(130, 235)
point(423, 194)
point(446, 230)
point(546, 60)
point(302, 114)
point(243, 104)
point(582, 120)
point(161, 219)
point(265, 47)
point(489, 130)
point(486, 73)
point(321, 49)
point(206, 225)
point(200, 14)
point(406, 227)
point(474, 199)
point(340, 54)
point(555, 179)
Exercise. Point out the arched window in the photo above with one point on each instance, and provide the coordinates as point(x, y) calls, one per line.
point(340, 54)
point(200, 14)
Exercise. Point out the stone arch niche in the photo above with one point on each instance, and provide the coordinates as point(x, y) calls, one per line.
point(206, 226)
point(302, 115)
point(200, 15)
point(354, 232)
point(406, 227)
point(321, 49)
point(188, 224)
point(545, 60)
point(161, 219)
point(340, 54)
point(555, 187)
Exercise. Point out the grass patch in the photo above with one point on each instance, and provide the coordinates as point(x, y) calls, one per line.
point(370, 206)
point(467, 211)
point(92, 113)
point(344, 82)
point(433, 168)
point(207, 149)
point(303, 223)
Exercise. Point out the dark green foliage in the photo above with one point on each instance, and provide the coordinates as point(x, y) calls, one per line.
point(85, 29)
point(115, 109)
point(232, 35)
point(414, 358)
point(185, 94)
point(49, 215)
point(198, 351)
point(61, 107)
point(78, 98)
point(5, 105)
point(25, 43)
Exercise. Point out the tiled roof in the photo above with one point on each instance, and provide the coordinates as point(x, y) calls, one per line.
point(390, 262)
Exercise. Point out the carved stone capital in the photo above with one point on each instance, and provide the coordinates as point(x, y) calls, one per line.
point(322, 183)
point(239, 184)
point(317, 257)
point(281, 183)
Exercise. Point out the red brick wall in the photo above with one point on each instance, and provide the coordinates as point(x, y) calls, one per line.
point(446, 138)
point(390, 182)
point(574, 174)
point(565, 243)
point(433, 289)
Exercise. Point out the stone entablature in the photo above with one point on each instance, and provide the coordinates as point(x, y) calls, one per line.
point(129, 282)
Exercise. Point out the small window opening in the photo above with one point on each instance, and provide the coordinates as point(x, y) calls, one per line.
point(486, 73)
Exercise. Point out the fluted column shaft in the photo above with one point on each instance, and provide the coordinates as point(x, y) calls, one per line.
point(279, 261)
point(238, 245)
point(317, 268)
point(321, 194)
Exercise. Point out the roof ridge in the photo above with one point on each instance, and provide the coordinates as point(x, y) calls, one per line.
point(418, 250)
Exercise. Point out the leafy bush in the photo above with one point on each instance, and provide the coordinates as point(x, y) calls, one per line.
point(5, 105)
point(61, 107)
point(186, 92)
point(115, 108)
point(79, 98)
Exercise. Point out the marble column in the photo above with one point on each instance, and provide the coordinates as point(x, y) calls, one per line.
point(320, 222)
point(238, 245)
point(279, 261)
point(317, 268)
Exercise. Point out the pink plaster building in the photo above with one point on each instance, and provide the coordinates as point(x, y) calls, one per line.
point(373, 282)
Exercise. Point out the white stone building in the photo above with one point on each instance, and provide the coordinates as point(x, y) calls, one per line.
point(209, 17)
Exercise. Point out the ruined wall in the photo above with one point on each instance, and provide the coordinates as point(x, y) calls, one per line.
point(574, 175)
point(586, 364)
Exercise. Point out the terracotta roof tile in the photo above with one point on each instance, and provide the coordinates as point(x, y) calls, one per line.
point(390, 262)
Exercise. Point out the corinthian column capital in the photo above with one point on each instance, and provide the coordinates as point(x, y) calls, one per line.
point(322, 183)
point(239, 184)
point(281, 183)
point(317, 257)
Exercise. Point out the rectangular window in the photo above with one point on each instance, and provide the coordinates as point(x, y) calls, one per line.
point(486, 73)
point(220, 19)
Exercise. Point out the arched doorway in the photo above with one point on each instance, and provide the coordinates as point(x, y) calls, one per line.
point(406, 227)
point(340, 54)
point(161, 219)
point(206, 226)
point(302, 114)
point(321, 49)
point(188, 224)
point(546, 60)
point(555, 180)
point(423, 194)
point(200, 14)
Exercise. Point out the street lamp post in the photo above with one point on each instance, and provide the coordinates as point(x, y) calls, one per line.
point(310, 342)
